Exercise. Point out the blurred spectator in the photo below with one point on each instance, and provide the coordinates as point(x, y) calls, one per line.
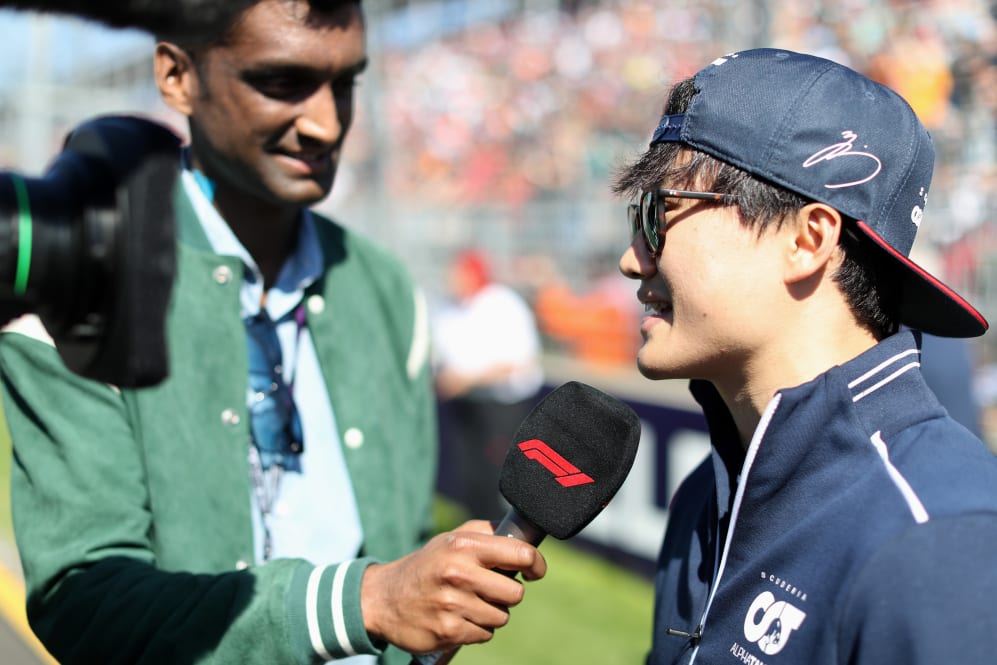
point(488, 373)
point(914, 62)
point(600, 325)
point(947, 363)
point(948, 369)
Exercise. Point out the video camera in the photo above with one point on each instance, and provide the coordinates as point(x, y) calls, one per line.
point(89, 248)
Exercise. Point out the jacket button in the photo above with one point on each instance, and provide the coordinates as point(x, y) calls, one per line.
point(230, 417)
point(316, 304)
point(353, 438)
point(222, 274)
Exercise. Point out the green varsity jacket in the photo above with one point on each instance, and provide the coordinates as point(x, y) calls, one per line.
point(132, 507)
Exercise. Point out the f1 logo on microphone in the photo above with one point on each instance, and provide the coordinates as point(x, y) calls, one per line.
point(564, 471)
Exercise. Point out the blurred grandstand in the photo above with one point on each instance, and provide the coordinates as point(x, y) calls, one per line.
point(499, 122)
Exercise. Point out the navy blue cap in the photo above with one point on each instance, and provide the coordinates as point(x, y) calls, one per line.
point(832, 135)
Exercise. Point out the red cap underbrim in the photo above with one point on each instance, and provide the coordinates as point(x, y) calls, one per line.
point(926, 303)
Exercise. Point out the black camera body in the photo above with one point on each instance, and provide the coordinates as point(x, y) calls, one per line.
point(90, 248)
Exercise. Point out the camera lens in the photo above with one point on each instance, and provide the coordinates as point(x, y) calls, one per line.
point(89, 248)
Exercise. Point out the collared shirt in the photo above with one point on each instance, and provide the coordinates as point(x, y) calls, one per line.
point(315, 516)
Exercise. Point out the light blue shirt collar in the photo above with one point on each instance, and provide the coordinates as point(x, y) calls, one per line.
point(299, 271)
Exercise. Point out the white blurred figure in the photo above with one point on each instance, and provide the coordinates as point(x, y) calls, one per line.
point(488, 372)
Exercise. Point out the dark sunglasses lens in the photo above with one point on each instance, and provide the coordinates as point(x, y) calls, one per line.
point(274, 423)
point(633, 218)
point(649, 221)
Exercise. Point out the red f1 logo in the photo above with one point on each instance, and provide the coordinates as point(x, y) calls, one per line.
point(564, 471)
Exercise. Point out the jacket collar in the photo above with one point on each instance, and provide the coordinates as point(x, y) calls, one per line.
point(826, 420)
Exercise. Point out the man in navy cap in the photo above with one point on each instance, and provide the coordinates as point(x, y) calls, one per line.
point(843, 516)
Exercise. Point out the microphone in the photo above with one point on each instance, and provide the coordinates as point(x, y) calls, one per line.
point(570, 457)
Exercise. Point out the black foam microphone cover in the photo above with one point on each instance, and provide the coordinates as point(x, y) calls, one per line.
point(569, 458)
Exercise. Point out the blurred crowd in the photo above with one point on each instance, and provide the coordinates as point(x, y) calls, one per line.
point(513, 127)
point(540, 106)
point(542, 103)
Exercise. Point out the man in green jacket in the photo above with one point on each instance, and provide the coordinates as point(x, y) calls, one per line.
point(267, 502)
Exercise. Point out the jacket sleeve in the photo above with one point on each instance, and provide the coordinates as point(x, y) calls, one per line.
point(925, 598)
point(83, 521)
point(426, 434)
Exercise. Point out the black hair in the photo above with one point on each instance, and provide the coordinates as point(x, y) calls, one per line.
point(870, 288)
point(195, 43)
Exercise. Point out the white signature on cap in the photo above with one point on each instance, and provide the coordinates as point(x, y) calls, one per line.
point(844, 149)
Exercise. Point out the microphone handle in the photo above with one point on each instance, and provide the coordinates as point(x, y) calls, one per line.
point(513, 525)
point(516, 526)
point(435, 658)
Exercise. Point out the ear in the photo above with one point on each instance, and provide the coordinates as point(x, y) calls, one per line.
point(176, 77)
point(815, 229)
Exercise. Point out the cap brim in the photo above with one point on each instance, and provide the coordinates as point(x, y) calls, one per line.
point(926, 303)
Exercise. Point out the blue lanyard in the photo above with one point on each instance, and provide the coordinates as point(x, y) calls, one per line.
point(276, 435)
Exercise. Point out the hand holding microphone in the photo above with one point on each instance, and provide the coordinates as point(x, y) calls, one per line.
point(569, 458)
point(448, 592)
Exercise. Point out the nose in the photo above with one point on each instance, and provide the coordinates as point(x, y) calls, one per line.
point(637, 262)
point(325, 116)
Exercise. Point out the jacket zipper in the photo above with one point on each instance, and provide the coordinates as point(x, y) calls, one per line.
point(749, 460)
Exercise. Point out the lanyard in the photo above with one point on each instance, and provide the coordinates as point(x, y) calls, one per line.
point(267, 481)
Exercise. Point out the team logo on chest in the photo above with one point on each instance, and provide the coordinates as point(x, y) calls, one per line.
point(770, 622)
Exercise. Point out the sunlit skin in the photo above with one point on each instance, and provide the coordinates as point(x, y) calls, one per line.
point(751, 312)
point(287, 74)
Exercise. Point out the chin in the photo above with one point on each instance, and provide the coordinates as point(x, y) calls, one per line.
point(299, 189)
point(651, 370)
point(657, 374)
point(304, 194)
point(661, 367)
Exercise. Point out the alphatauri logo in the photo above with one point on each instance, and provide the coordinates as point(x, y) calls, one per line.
point(770, 623)
point(564, 471)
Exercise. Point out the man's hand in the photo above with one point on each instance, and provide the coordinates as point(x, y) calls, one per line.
point(447, 594)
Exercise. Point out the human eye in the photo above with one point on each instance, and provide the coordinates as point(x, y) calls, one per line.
point(281, 84)
point(662, 206)
point(349, 79)
point(345, 85)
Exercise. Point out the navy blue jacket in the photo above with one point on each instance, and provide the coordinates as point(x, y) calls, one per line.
point(859, 527)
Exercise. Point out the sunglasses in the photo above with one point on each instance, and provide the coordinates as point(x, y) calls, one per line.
point(274, 424)
point(648, 214)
